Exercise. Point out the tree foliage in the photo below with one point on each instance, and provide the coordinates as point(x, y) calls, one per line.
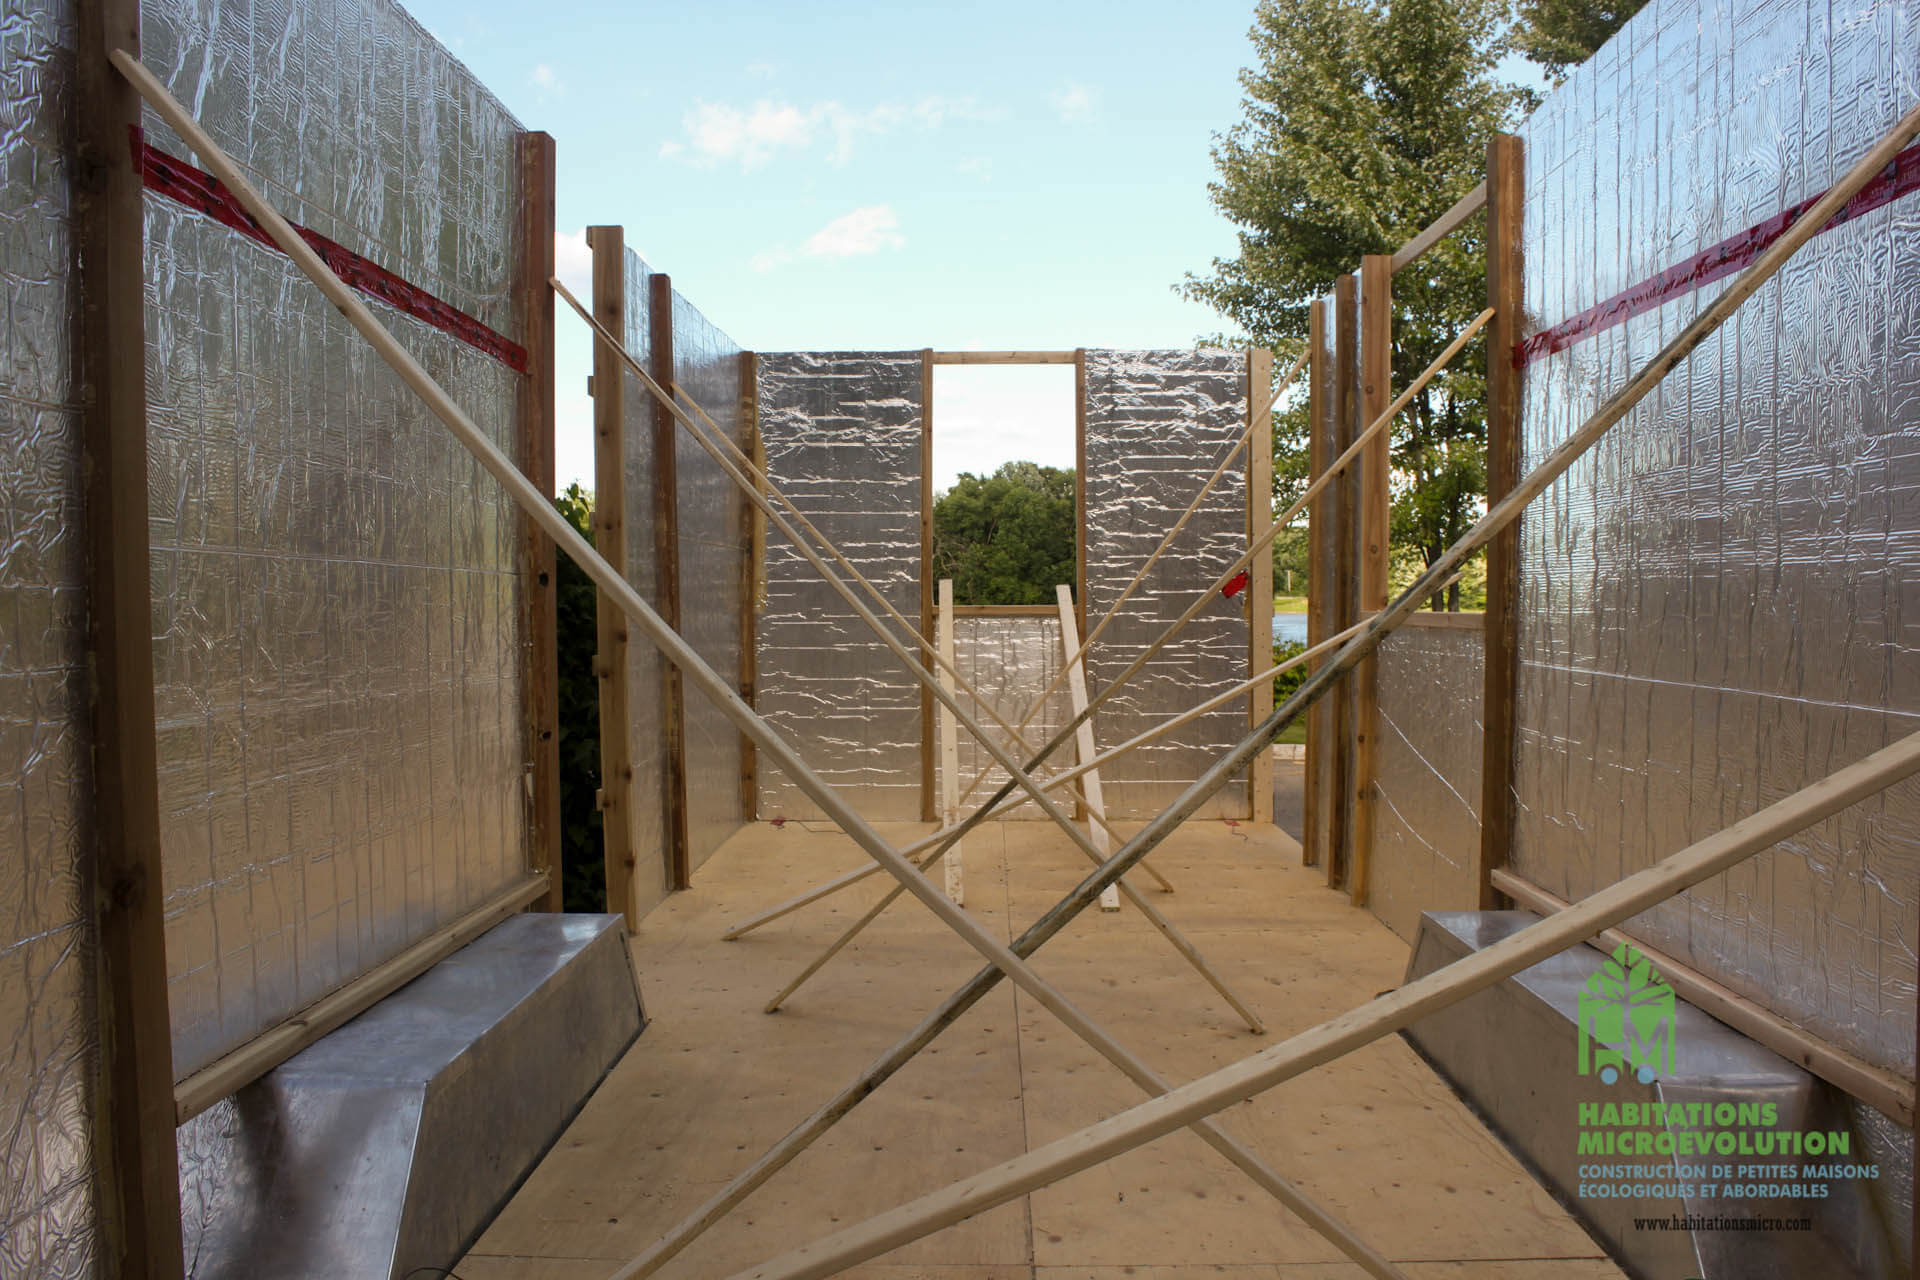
point(1562, 34)
point(1364, 121)
point(583, 870)
point(1006, 538)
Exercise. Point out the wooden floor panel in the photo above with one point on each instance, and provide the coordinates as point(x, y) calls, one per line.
point(713, 1082)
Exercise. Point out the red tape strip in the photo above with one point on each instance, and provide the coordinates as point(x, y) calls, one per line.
point(1731, 255)
point(1236, 585)
point(202, 192)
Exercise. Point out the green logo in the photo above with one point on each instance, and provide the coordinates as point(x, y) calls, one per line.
point(1627, 1018)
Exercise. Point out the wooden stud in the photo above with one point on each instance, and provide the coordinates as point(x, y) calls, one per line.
point(274, 1046)
point(1506, 192)
point(666, 549)
point(540, 594)
point(1376, 392)
point(617, 812)
point(1003, 611)
point(138, 1182)
point(928, 807)
point(1001, 357)
point(1093, 795)
point(1431, 621)
point(1443, 226)
point(754, 535)
point(1316, 801)
point(954, 862)
point(1260, 583)
point(1891, 1094)
point(1345, 492)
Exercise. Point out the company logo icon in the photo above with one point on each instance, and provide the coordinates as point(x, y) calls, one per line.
point(1627, 1019)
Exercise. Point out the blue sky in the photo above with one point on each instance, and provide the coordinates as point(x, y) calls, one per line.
point(825, 176)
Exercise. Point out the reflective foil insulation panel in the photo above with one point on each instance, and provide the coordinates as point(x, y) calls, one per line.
point(1426, 792)
point(842, 432)
point(1008, 661)
point(1719, 603)
point(1157, 424)
point(47, 955)
point(646, 670)
point(715, 549)
point(337, 651)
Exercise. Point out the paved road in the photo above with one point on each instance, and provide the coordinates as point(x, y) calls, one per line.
point(1289, 790)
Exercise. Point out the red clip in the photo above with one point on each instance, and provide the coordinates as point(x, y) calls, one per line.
point(1235, 587)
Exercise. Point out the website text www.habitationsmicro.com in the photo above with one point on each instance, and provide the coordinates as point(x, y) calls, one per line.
point(1696, 1222)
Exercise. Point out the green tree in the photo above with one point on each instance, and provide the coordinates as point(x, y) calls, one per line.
point(1364, 121)
point(1562, 34)
point(583, 871)
point(1006, 538)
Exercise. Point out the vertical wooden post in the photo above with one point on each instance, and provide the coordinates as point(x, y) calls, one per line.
point(928, 801)
point(539, 589)
point(609, 388)
point(666, 550)
point(754, 536)
point(139, 1177)
point(1376, 393)
point(1260, 596)
point(1345, 492)
point(954, 864)
point(1316, 805)
point(1506, 193)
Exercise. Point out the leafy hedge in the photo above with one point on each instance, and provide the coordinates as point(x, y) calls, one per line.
point(583, 882)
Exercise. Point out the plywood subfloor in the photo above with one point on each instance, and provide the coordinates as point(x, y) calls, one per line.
point(713, 1082)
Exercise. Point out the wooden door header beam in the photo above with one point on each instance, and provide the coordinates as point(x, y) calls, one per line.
point(1003, 357)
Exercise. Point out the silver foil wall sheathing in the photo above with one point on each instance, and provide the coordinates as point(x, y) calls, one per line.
point(337, 653)
point(646, 669)
point(1718, 605)
point(48, 1223)
point(1157, 424)
point(1008, 661)
point(843, 439)
point(1426, 796)
point(714, 552)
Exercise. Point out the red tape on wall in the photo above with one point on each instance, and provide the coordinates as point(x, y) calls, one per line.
point(202, 192)
point(1733, 254)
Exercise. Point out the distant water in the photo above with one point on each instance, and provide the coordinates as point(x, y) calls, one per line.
point(1290, 627)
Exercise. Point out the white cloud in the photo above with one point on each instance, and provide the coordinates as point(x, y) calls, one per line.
point(1076, 102)
point(770, 259)
point(857, 234)
point(872, 229)
point(573, 263)
point(547, 81)
point(719, 133)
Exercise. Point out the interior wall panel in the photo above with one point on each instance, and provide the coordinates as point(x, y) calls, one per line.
point(1157, 424)
point(337, 647)
point(1717, 604)
point(1426, 817)
point(842, 433)
point(48, 1212)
